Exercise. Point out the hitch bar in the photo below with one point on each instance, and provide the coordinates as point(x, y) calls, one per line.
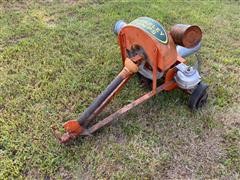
point(75, 128)
point(108, 120)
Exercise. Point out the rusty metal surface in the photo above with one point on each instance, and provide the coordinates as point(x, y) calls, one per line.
point(186, 35)
point(126, 108)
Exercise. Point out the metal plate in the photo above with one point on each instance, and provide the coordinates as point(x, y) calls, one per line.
point(152, 27)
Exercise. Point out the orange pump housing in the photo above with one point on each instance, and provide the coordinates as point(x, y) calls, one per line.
point(161, 55)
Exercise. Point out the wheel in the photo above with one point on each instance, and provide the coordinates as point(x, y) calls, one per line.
point(199, 96)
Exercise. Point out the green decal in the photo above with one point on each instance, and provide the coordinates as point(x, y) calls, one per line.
point(153, 27)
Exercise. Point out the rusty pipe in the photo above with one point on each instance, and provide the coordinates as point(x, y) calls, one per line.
point(186, 35)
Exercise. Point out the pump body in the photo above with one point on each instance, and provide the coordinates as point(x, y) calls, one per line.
point(149, 50)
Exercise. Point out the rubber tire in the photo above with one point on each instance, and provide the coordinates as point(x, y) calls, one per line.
point(199, 97)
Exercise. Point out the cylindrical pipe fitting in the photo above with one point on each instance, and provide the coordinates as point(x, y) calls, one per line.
point(118, 26)
point(186, 35)
point(184, 52)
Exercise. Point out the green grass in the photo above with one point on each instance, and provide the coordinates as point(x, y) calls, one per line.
point(57, 56)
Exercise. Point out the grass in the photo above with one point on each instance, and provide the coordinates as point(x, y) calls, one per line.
point(57, 56)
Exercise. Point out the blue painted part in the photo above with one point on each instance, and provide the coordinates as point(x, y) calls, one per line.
point(184, 52)
point(118, 26)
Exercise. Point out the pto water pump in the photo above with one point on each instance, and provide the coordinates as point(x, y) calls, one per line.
point(149, 50)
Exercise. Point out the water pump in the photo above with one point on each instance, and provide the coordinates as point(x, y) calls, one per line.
point(155, 54)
